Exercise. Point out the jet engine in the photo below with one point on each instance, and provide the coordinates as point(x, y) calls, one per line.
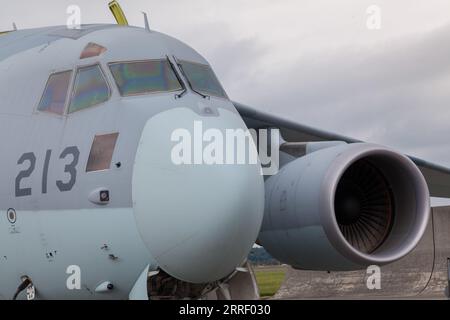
point(344, 208)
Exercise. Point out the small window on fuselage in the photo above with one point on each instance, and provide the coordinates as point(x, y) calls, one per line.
point(90, 88)
point(102, 151)
point(55, 95)
point(144, 77)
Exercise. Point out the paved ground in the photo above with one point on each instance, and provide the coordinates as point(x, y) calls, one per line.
point(420, 275)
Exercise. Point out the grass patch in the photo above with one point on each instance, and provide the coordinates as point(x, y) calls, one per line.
point(269, 280)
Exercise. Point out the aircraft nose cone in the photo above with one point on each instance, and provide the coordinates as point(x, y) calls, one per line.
point(199, 221)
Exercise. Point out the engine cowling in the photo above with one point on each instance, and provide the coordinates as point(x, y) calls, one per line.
point(345, 208)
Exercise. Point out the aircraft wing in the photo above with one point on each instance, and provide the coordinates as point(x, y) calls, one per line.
point(437, 177)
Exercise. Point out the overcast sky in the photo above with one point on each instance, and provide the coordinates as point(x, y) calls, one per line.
point(313, 61)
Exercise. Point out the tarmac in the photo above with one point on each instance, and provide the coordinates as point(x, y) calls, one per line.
point(423, 274)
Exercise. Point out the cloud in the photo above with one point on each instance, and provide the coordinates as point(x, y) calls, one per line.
point(396, 93)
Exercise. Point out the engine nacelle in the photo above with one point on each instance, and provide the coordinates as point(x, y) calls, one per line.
point(345, 208)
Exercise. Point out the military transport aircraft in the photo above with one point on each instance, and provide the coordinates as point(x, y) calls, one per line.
point(89, 192)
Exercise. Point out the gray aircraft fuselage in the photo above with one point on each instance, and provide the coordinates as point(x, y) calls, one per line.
point(195, 222)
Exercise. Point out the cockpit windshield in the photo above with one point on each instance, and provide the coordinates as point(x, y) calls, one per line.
point(143, 77)
point(202, 79)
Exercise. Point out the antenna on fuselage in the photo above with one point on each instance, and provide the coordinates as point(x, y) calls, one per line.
point(14, 26)
point(147, 24)
point(117, 12)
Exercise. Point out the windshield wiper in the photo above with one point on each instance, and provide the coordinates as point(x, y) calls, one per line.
point(172, 66)
point(180, 66)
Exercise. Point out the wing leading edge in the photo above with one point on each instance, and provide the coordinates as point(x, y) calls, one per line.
point(437, 177)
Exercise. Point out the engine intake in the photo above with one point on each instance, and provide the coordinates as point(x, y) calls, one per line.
point(344, 208)
point(364, 206)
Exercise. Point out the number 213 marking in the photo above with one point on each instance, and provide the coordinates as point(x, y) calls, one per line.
point(70, 169)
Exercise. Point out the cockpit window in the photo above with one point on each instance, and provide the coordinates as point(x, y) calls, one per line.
point(202, 79)
point(142, 77)
point(90, 88)
point(54, 98)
